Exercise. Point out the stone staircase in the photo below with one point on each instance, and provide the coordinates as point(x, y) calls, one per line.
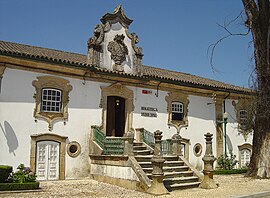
point(176, 174)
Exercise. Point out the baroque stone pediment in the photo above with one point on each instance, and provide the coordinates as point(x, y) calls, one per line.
point(117, 16)
point(112, 47)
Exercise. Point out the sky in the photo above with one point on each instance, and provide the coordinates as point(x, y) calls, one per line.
point(174, 34)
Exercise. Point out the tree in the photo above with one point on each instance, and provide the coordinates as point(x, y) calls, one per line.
point(258, 20)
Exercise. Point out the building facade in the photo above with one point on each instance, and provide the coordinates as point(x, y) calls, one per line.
point(50, 99)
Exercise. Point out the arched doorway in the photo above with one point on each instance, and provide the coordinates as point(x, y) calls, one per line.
point(116, 102)
point(115, 116)
point(48, 145)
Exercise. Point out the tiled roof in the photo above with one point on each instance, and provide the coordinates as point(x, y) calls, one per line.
point(15, 49)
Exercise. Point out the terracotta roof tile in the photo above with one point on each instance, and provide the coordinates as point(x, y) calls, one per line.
point(15, 49)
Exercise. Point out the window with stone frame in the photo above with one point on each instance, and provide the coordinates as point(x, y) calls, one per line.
point(52, 96)
point(177, 107)
point(243, 118)
point(245, 151)
point(245, 109)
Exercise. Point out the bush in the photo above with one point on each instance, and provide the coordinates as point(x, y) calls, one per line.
point(227, 163)
point(19, 186)
point(22, 175)
point(4, 172)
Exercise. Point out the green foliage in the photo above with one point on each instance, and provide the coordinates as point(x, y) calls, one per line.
point(4, 172)
point(19, 186)
point(227, 162)
point(227, 172)
point(22, 175)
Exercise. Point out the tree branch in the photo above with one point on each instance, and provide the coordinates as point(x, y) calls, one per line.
point(213, 46)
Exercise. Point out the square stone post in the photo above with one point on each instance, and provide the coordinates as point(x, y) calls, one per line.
point(208, 159)
point(128, 146)
point(176, 145)
point(157, 186)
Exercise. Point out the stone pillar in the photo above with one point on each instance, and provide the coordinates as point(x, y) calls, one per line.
point(128, 147)
point(157, 186)
point(176, 145)
point(208, 159)
point(219, 128)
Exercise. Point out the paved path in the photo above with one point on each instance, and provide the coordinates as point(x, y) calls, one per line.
point(230, 186)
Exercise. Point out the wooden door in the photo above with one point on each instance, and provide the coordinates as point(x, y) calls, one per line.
point(47, 160)
point(115, 125)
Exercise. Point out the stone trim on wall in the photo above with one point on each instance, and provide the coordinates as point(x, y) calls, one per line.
point(51, 82)
point(219, 127)
point(119, 90)
point(177, 97)
point(49, 137)
point(2, 70)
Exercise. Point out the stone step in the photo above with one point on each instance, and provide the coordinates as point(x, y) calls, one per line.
point(148, 164)
point(182, 186)
point(138, 144)
point(168, 169)
point(136, 148)
point(174, 174)
point(180, 180)
point(142, 152)
point(147, 158)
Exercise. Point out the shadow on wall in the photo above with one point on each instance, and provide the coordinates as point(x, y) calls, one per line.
point(11, 137)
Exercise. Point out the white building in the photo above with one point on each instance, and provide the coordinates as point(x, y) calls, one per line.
point(50, 99)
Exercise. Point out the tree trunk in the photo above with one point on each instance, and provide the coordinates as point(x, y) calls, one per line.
point(258, 15)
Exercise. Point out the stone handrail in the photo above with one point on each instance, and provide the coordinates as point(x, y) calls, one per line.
point(145, 182)
point(195, 171)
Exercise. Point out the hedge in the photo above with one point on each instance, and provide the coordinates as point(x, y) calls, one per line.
point(4, 172)
point(19, 186)
point(226, 172)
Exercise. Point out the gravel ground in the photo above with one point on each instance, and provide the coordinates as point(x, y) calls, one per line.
point(229, 186)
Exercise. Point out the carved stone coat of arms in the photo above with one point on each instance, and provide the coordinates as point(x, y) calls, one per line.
point(118, 51)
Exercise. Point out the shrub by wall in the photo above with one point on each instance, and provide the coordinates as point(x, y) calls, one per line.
point(19, 186)
point(4, 172)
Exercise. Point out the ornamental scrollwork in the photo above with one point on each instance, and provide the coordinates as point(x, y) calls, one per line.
point(118, 51)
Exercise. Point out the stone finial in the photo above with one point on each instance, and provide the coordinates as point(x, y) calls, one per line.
point(208, 159)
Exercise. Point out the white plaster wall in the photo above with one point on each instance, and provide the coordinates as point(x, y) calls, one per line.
point(114, 171)
point(107, 62)
point(17, 122)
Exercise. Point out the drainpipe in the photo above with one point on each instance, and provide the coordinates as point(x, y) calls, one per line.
point(158, 88)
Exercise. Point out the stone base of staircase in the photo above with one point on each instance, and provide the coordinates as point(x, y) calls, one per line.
point(177, 175)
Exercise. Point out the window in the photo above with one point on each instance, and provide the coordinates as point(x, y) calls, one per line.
point(245, 157)
point(51, 100)
point(52, 96)
point(177, 111)
point(243, 118)
point(177, 107)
